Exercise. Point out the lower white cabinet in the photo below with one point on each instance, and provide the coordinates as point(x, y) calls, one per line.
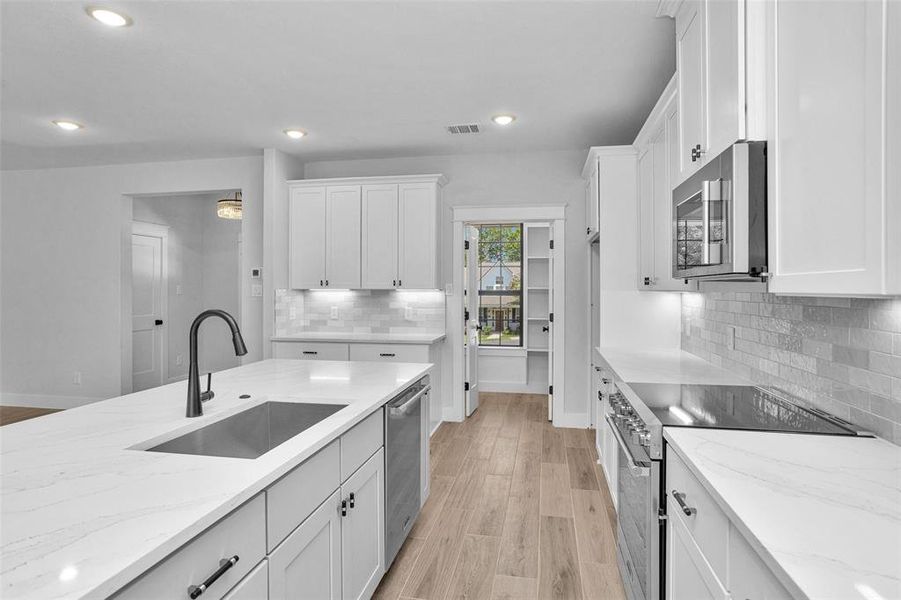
point(338, 552)
point(310, 350)
point(750, 579)
point(363, 529)
point(253, 587)
point(390, 352)
point(308, 562)
point(688, 574)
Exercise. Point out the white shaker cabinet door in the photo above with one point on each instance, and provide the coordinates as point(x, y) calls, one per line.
point(363, 529)
point(725, 74)
point(380, 243)
point(342, 237)
point(418, 235)
point(307, 565)
point(253, 587)
point(306, 237)
point(688, 575)
point(831, 221)
point(690, 66)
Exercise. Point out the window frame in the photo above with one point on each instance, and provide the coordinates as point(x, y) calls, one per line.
point(518, 293)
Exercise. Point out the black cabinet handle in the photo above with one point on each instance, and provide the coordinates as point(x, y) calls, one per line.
point(326, 283)
point(344, 508)
point(389, 354)
point(321, 282)
point(680, 498)
point(394, 283)
point(310, 352)
point(158, 322)
point(352, 500)
point(545, 328)
point(224, 565)
point(400, 283)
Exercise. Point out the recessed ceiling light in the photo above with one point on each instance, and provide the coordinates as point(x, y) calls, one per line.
point(108, 17)
point(295, 134)
point(503, 119)
point(68, 125)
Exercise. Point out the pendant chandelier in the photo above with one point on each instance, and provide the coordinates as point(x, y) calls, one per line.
point(229, 208)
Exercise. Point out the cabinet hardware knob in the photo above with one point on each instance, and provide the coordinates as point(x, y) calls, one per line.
point(352, 500)
point(399, 283)
point(224, 565)
point(320, 283)
point(394, 283)
point(326, 283)
point(344, 508)
point(158, 322)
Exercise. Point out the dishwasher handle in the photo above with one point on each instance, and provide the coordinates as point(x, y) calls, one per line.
point(395, 409)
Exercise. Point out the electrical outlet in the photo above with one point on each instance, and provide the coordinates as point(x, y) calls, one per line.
point(76, 378)
point(334, 313)
point(409, 312)
point(179, 360)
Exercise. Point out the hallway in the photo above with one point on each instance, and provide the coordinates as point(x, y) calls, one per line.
point(518, 509)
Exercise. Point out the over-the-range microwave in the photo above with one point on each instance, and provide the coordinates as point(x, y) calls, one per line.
point(719, 217)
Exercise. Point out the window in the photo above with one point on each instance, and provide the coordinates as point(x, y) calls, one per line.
point(500, 285)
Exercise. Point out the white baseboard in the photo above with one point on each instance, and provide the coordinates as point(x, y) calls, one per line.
point(508, 387)
point(45, 400)
point(580, 420)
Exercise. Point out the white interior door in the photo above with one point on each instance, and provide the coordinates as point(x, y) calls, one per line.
point(471, 316)
point(550, 330)
point(147, 308)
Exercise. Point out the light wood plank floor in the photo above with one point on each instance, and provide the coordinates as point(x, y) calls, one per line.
point(518, 510)
point(13, 414)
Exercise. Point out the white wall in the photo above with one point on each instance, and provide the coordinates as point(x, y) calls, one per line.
point(63, 265)
point(532, 178)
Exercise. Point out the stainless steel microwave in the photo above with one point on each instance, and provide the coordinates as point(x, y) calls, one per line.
point(719, 217)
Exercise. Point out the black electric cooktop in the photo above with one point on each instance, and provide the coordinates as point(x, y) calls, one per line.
point(732, 407)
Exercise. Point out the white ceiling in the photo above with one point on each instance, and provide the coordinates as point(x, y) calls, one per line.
point(366, 79)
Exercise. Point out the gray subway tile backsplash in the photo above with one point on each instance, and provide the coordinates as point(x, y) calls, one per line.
point(842, 355)
point(359, 311)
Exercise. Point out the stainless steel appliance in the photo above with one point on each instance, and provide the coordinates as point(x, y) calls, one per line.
point(719, 217)
point(637, 414)
point(403, 439)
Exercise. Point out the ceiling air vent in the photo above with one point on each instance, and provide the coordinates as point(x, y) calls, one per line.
point(470, 128)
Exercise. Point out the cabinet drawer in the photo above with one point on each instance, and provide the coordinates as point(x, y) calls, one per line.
point(707, 524)
point(241, 534)
point(253, 587)
point(310, 350)
point(295, 496)
point(361, 442)
point(390, 352)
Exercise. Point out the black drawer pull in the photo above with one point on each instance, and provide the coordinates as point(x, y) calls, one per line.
point(352, 500)
point(224, 565)
point(680, 498)
point(344, 508)
point(388, 354)
point(310, 352)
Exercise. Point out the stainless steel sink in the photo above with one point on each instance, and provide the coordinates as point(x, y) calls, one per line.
point(250, 433)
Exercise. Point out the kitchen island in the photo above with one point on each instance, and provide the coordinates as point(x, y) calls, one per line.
point(86, 510)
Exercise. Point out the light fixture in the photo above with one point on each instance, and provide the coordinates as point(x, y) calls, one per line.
point(503, 119)
point(68, 125)
point(108, 17)
point(230, 208)
point(295, 134)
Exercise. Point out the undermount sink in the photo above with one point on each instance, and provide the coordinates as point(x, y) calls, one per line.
point(250, 433)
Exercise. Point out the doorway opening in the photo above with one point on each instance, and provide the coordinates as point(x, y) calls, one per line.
point(185, 258)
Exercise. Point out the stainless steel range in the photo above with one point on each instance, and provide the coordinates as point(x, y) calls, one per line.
point(637, 414)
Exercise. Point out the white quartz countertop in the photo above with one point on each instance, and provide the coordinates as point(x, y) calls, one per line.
point(350, 337)
point(824, 512)
point(82, 514)
point(635, 365)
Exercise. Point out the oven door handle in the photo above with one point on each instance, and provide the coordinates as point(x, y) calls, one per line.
point(637, 468)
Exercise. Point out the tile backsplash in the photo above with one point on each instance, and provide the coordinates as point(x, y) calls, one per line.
point(842, 355)
point(360, 311)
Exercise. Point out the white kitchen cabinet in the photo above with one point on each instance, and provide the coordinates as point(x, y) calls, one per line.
point(418, 236)
point(380, 224)
point(363, 529)
point(688, 574)
point(655, 146)
point(593, 198)
point(253, 587)
point(690, 66)
point(308, 563)
point(306, 239)
point(324, 237)
point(310, 350)
point(834, 206)
point(415, 353)
point(749, 578)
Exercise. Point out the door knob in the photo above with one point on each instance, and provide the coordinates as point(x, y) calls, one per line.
point(158, 322)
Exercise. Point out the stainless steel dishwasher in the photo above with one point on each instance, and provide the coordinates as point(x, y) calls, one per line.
point(403, 444)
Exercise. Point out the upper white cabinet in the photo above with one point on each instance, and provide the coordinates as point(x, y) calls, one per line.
point(592, 174)
point(365, 232)
point(656, 146)
point(834, 120)
point(324, 236)
point(719, 59)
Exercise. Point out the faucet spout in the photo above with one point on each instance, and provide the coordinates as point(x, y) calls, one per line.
point(195, 397)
